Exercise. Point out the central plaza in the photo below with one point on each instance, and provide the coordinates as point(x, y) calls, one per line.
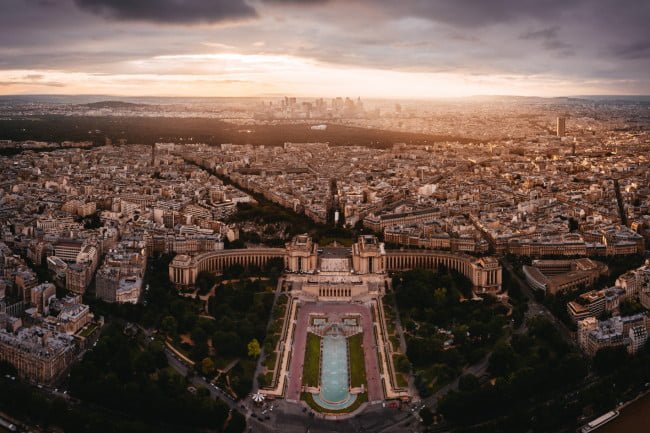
point(336, 355)
point(334, 349)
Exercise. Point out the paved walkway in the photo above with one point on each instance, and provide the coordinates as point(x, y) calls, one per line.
point(385, 355)
point(284, 355)
point(375, 392)
point(259, 368)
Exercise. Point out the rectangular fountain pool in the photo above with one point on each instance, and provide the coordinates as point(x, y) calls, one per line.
point(334, 378)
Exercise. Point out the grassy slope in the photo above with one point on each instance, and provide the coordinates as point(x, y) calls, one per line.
point(357, 361)
point(311, 367)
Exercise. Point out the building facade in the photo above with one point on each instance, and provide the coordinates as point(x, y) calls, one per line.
point(38, 354)
point(366, 256)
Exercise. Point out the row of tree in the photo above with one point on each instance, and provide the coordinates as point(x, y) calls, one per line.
point(131, 377)
point(433, 303)
point(541, 384)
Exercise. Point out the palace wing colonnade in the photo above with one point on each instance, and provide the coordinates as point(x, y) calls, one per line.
point(184, 269)
point(484, 272)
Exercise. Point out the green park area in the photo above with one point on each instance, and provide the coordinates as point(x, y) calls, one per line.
point(311, 369)
point(222, 337)
point(445, 329)
point(538, 360)
point(357, 361)
point(128, 374)
point(273, 337)
point(400, 361)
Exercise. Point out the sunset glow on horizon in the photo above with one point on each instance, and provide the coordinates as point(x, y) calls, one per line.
point(316, 48)
point(258, 75)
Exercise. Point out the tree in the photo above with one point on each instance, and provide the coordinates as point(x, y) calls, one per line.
point(237, 423)
point(630, 306)
point(264, 380)
point(439, 295)
point(169, 325)
point(236, 244)
point(227, 343)
point(92, 221)
point(207, 366)
point(200, 347)
point(427, 416)
point(502, 360)
point(205, 281)
point(199, 336)
point(234, 271)
point(122, 371)
point(274, 267)
point(468, 382)
point(609, 359)
point(254, 348)
point(403, 365)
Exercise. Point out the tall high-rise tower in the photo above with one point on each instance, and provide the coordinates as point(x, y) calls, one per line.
point(561, 126)
point(154, 162)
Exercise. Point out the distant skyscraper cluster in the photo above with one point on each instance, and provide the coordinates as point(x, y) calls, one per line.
point(290, 107)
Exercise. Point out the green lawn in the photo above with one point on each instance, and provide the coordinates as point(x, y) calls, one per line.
point(270, 360)
point(401, 381)
point(311, 369)
point(357, 361)
point(394, 341)
point(88, 331)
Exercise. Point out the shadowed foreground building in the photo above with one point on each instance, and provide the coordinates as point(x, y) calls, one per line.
point(630, 332)
point(38, 354)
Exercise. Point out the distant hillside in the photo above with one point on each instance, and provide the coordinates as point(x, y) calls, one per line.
point(113, 104)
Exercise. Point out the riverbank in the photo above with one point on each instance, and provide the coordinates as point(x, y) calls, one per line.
point(633, 418)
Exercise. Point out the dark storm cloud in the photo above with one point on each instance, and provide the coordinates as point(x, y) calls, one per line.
point(67, 60)
point(297, 2)
point(635, 50)
point(170, 11)
point(550, 40)
point(473, 13)
point(545, 34)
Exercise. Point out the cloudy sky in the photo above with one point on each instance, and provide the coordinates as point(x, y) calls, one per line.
point(370, 48)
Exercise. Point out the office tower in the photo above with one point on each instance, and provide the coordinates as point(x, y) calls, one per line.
point(561, 126)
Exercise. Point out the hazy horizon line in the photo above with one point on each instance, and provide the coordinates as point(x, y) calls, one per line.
point(424, 98)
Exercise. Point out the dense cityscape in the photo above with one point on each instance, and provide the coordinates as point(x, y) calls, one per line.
point(548, 230)
point(284, 216)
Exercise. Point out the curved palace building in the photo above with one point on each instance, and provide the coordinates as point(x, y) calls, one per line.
point(366, 256)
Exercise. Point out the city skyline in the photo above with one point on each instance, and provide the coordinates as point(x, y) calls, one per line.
point(333, 216)
point(413, 49)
